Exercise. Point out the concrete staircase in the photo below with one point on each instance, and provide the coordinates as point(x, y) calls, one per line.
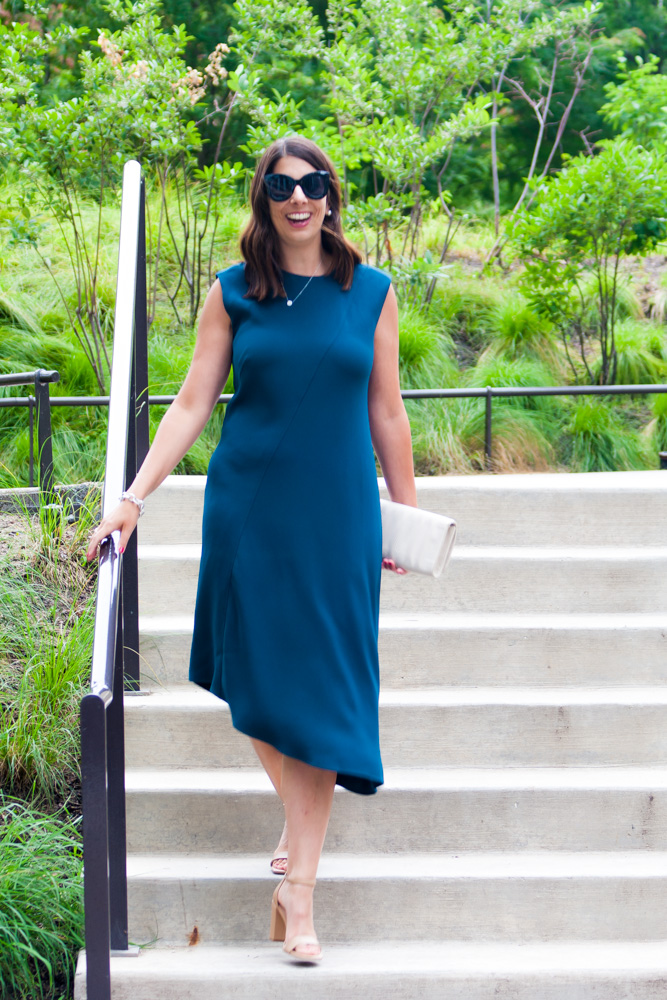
point(519, 847)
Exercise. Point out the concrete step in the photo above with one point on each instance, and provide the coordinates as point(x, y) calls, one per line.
point(503, 809)
point(431, 970)
point(507, 580)
point(598, 508)
point(453, 727)
point(499, 896)
point(467, 649)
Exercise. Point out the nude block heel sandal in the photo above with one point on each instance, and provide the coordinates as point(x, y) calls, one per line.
point(279, 926)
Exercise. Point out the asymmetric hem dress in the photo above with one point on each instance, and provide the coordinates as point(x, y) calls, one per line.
point(287, 609)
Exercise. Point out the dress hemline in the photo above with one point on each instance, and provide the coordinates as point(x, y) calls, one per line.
point(360, 784)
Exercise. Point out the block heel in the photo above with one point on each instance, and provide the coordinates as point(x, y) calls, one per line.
point(278, 927)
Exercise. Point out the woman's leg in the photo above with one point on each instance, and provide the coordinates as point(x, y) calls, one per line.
point(272, 762)
point(307, 793)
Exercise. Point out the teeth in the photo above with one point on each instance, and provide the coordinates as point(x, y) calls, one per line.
point(299, 216)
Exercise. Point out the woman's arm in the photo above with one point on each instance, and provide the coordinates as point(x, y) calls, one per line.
point(390, 427)
point(184, 420)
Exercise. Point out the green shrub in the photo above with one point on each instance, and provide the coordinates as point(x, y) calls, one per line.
point(426, 352)
point(518, 332)
point(41, 902)
point(640, 353)
point(627, 304)
point(520, 373)
point(448, 437)
point(466, 304)
point(46, 630)
point(596, 440)
point(655, 432)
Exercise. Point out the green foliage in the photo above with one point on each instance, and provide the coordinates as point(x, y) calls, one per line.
point(641, 353)
point(596, 440)
point(426, 352)
point(467, 305)
point(46, 617)
point(518, 332)
point(587, 217)
point(655, 432)
point(41, 902)
point(637, 106)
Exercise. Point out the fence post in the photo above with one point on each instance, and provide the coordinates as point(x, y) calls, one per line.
point(44, 444)
point(488, 439)
point(31, 441)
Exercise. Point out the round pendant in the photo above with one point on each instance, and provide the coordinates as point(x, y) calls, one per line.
point(289, 302)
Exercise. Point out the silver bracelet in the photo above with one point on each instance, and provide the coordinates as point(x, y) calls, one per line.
point(131, 497)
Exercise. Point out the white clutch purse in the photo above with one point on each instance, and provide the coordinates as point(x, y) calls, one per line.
point(417, 540)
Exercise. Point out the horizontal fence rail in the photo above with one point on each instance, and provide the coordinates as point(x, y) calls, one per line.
point(488, 393)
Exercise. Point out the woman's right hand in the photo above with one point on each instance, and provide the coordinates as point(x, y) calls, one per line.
point(124, 516)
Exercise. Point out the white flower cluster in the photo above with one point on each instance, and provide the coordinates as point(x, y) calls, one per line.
point(112, 52)
point(215, 71)
point(191, 85)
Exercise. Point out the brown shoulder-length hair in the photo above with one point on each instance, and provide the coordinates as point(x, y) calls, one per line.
point(259, 242)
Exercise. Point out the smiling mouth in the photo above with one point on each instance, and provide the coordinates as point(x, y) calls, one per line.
point(298, 218)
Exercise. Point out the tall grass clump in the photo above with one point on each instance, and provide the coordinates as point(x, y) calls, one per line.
point(518, 333)
point(466, 305)
point(655, 432)
point(596, 440)
point(46, 630)
point(41, 903)
point(426, 352)
point(641, 353)
point(627, 303)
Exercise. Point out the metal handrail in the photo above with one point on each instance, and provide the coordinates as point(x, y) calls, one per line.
point(41, 380)
point(115, 656)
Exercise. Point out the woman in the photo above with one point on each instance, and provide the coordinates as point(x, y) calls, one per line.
point(286, 617)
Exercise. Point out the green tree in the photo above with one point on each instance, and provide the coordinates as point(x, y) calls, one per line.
point(585, 220)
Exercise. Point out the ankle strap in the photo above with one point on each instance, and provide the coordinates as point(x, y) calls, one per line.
point(300, 881)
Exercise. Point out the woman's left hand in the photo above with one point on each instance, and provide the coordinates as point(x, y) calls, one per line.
point(390, 564)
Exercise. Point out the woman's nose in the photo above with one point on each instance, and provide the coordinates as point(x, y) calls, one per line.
point(297, 194)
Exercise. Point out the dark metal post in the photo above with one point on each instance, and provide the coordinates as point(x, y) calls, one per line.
point(95, 845)
point(662, 455)
point(44, 444)
point(31, 438)
point(116, 798)
point(488, 440)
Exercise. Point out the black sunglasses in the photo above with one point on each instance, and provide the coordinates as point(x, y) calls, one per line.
point(280, 187)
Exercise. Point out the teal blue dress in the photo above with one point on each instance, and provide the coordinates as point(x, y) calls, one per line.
point(286, 617)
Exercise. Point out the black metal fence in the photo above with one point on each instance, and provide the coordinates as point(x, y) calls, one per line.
point(41, 402)
point(488, 393)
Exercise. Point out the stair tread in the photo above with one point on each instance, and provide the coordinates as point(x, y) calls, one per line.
point(522, 865)
point(183, 780)
point(570, 482)
point(464, 620)
point(461, 553)
point(189, 697)
point(441, 957)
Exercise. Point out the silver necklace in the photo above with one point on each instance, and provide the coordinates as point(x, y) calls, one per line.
point(290, 302)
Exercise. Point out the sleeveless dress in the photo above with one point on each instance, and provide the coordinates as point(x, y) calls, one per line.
point(286, 616)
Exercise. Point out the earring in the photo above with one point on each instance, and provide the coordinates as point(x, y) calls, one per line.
point(328, 211)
